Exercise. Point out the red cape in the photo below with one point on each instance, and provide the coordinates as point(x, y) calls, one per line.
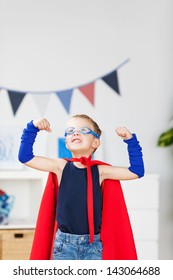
point(116, 233)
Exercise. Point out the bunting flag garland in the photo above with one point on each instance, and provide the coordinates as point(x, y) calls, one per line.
point(88, 92)
point(41, 101)
point(16, 99)
point(65, 96)
point(112, 81)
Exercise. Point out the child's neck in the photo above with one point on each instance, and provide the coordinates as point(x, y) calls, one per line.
point(79, 155)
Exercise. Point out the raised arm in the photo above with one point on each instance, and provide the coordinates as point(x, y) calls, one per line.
point(136, 168)
point(26, 155)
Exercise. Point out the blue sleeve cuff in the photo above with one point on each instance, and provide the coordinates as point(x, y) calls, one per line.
point(135, 156)
point(27, 141)
point(138, 170)
point(31, 127)
point(132, 140)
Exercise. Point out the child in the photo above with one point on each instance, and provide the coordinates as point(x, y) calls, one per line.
point(80, 207)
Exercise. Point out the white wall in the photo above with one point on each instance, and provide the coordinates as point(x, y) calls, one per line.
point(52, 45)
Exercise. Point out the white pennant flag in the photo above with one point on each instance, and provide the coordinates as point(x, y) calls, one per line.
point(41, 101)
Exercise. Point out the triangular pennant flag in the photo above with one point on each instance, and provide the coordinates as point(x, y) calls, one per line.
point(112, 81)
point(88, 92)
point(41, 101)
point(16, 99)
point(65, 98)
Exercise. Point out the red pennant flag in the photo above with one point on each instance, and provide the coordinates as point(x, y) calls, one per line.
point(88, 92)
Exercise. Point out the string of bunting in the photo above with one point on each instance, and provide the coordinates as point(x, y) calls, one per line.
point(88, 90)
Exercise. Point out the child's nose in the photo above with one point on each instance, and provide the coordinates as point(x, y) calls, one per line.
point(76, 132)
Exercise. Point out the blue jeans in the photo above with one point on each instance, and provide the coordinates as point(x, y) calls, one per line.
point(69, 246)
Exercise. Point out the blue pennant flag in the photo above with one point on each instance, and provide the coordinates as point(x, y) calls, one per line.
point(16, 99)
point(65, 98)
point(112, 81)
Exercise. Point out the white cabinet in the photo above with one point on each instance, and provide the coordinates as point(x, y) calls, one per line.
point(27, 187)
point(142, 200)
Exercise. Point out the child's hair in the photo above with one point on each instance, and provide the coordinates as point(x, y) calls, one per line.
point(95, 125)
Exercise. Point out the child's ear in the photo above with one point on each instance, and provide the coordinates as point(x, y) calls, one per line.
point(96, 143)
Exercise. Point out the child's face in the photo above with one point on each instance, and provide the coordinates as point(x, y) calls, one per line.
point(78, 143)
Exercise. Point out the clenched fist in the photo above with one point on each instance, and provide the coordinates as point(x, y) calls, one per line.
point(124, 133)
point(42, 124)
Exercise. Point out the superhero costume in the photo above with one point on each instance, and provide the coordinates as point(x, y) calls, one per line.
point(116, 233)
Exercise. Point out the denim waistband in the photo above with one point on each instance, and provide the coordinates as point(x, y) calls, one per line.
point(75, 239)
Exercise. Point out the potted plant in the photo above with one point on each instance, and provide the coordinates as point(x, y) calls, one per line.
point(166, 138)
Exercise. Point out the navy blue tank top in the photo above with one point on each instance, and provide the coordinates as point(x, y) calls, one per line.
point(72, 214)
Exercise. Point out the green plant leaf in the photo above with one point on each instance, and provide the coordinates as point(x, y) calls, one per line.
point(166, 138)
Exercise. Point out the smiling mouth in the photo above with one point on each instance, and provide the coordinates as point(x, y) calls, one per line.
point(76, 141)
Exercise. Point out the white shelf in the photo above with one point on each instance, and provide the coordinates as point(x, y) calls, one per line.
point(27, 188)
point(22, 174)
point(19, 224)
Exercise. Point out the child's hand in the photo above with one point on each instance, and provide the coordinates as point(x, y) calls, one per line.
point(42, 124)
point(124, 133)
